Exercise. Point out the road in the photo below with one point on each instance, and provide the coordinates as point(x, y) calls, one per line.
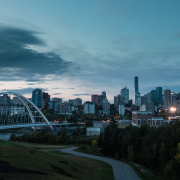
point(122, 171)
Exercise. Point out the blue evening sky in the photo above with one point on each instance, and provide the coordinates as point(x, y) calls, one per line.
point(75, 48)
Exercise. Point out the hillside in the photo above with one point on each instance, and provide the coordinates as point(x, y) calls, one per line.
point(20, 162)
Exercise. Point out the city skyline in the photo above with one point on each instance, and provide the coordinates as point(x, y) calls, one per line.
point(75, 49)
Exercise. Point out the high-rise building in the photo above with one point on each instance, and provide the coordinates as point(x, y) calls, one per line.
point(153, 96)
point(101, 98)
point(71, 102)
point(89, 108)
point(77, 102)
point(125, 94)
point(167, 98)
point(37, 97)
point(159, 95)
point(136, 88)
point(95, 98)
point(58, 100)
point(46, 99)
point(118, 100)
point(106, 106)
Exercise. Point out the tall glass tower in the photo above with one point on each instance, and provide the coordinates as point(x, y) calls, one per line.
point(136, 88)
point(159, 95)
point(37, 97)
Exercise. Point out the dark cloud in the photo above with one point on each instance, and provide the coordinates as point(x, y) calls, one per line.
point(18, 61)
point(82, 94)
point(56, 93)
point(21, 91)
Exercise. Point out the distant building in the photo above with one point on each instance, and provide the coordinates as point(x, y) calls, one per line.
point(77, 102)
point(71, 102)
point(118, 100)
point(17, 101)
point(37, 97)
point(106, 106)
point(89, 108)
point(5, 100)
point(121, 110)
point(167, 98)
point(138, 101)
point(136, 88)
point(125, 93)
point(141, 117)
point(46, 99)
point(101, 98)
point(159, 95)
point(95, 98)
point(12, 110)
point(157, 121)
point(143, 108)
point(150, 107)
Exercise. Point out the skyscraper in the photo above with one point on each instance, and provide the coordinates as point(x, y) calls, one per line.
point(136, 88)
point(167, 98)
point(125, 94)
point(95, 98)
point(159, 95)
point(153, 96)
point(37, 97)
point(46, 99)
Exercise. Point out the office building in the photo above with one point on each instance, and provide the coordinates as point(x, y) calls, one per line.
point(125, 93)
point(46, 99)
point(121, 109)
point(37, 97)
point(153, 96)
point(101, 98)
point(118, 100)
point(136, 88)
point(106, 106)
point(167, 99)
point(77, 102)
point(17, 101)
point(71, 102)
point(95, 98)
point(159, 95)
point(89, 108)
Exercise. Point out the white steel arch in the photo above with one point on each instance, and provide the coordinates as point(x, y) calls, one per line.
point(22, 99)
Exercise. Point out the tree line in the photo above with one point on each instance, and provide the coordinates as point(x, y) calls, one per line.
point(154, 148)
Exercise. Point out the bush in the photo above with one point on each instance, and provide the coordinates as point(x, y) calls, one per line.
point(82, 147)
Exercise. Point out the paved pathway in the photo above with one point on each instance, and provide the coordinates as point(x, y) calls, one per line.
point(122, 171)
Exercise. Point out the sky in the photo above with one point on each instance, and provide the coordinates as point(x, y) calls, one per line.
point(77, 48)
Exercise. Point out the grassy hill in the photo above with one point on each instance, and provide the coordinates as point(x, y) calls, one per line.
point(18, 161)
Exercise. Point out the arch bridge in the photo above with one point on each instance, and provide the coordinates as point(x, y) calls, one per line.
point(29, 105)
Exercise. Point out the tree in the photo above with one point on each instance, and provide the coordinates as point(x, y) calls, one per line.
point(130, 153)
point(94, 143)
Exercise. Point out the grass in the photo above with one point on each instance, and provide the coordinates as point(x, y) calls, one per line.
point(43, 146)
point(34, 164)
point(59, 153)
point(123, 126)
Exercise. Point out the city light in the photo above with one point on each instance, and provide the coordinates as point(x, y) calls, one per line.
point(173, 109)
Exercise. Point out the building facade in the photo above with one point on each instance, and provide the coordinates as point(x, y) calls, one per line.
point(125, 93)
point(167, 99)
point(141, 117)
point(37, 97)
point(89, 108)
point(159, 95)
point(95, 98)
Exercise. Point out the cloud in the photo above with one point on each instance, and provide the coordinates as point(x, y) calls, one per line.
point(82, 94)
point(20, 62)
point(56, 93)
point(21, 91)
